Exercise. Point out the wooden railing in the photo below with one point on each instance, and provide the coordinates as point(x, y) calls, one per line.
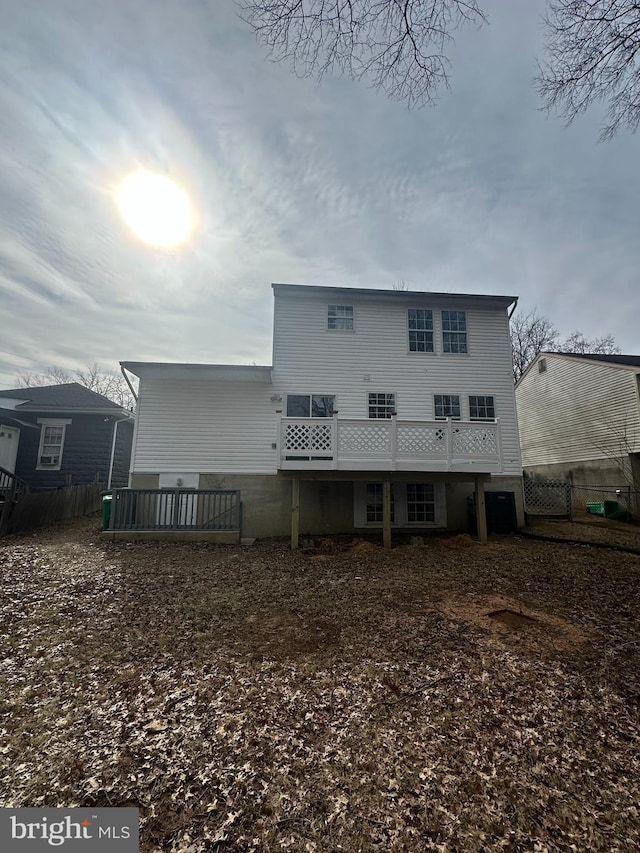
point(390, 444)
point(11, 486)
point(175, 509)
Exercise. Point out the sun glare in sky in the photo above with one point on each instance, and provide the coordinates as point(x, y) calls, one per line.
point(156, 209)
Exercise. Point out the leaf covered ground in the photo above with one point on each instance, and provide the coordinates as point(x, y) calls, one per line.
point(344, 698)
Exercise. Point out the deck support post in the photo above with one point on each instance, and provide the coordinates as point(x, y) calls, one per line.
point(481, 512)
point(386, 513)
point(295, 512)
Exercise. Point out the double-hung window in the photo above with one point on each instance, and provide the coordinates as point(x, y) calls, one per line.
point(454, 331)
point(446, 406)
point(374, 498)
point(482, 408)
point(52, 434)
point(382, 405)
point(421, 503)
point(420, 330)
point(310, 405)
point(340, 317)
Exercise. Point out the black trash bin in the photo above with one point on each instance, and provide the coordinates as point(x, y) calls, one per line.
point(500, 511)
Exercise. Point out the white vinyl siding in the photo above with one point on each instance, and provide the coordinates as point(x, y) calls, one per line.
point(232, 426)
point(577, 410)
point(377, 358)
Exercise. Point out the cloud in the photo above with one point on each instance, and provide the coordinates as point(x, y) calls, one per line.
point(291, 181)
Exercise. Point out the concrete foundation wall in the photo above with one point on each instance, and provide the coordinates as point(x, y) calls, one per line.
point(326, 506)
point(616, 472)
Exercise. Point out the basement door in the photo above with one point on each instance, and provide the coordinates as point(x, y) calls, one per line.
point(9, 438)
point(188, 508)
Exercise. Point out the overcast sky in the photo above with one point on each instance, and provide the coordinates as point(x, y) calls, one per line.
point(292, 181)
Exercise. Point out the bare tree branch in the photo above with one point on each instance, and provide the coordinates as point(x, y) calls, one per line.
point(592, 56)
point(109, 384)
point(399, 45)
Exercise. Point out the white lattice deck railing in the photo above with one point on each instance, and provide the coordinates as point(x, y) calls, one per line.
point(395, 445)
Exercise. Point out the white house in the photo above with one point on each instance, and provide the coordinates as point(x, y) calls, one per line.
point(381, 409)
point(579, 417)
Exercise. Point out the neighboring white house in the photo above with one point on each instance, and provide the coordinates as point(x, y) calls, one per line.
point(579, 418)
point(379, 405)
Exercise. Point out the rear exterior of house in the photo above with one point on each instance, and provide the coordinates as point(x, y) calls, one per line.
point(381, 408)
point(579, 418)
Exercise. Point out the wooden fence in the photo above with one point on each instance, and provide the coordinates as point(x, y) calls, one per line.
point(46, 509)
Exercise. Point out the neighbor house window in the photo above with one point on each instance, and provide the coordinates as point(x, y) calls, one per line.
point(382, 405)
point(482, 408)
point(421, 502)
point(420, 330)
point(340, 317)
point(52, 434)
point(374, 504)
point(310, 405)
point(447, 406)
point(454, 331)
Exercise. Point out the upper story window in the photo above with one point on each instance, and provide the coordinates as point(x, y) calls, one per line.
point(340, 317)
point(482, 408)
point(420, 330)
point(52, 435)
point(454, 331)
point(310, 405)
point(447, 406)
point(382, 405)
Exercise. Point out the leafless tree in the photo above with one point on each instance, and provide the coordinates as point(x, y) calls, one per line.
point(109, 384)
point(577, 342)
point(399, 45)
point(530, 333)
point(593, 55)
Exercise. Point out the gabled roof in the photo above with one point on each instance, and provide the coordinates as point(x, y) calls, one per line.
point(622, 360)
point(65, 397)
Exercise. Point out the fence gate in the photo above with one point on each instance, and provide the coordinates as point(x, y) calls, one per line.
point(547, 497)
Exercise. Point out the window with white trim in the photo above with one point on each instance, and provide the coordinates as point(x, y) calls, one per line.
point(420, 322)
point(421, 503)
point(310, 405)
point(446, 406)
point(482, 408)
point(454, 331)
point(382, 405)
point(412, 504)
point(52, 435)
point(374, 497)
point(340, 317)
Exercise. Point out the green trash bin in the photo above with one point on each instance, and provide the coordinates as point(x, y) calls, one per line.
point(106, 511)
point(596, 507)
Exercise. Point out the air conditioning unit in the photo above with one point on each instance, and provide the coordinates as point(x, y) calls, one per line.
point(49, 460)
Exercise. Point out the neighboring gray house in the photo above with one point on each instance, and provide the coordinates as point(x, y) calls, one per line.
point(381, 409)
point(54, 433)
point(579, 418)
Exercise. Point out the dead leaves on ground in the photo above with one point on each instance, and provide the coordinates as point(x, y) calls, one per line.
point(260, 700)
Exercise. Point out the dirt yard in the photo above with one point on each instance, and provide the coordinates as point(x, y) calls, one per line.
point(449, 697)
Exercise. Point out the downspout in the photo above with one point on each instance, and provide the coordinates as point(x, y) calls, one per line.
point(113, 446)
